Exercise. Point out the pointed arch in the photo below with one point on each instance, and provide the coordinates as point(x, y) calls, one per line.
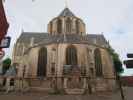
point(68, 25)
point(59, 26)
point(71, 55)
point(51, 27)
point(42, 62)
point(98, 63)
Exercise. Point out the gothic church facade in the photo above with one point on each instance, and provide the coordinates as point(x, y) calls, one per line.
point(66, 57)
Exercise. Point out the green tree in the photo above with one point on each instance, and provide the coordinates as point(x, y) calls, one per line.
point(118, 68)
point(6, 64)
point(116, 60)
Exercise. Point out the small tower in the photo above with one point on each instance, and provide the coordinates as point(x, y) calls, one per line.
point(66, 23)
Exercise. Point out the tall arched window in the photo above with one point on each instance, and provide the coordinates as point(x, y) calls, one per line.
point(98, 63)
point(77, 26)
point(19, 49)
point(71, 55)
point(51, 27)
point(59, 26)
point(68, 25)
point(42, 62)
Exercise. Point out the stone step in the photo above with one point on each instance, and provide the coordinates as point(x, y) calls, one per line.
point(39, 89)
point(75, 91)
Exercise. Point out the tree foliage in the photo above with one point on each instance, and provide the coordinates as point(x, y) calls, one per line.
point(116, 60)
point(6, 64)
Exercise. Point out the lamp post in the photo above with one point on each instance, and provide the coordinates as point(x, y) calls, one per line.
point(120, 86)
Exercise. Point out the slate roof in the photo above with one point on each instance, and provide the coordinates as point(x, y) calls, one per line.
point(66, 12)
point(26, 36)
point(46, 38)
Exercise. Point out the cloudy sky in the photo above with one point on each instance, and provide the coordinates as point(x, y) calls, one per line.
point(112, 17)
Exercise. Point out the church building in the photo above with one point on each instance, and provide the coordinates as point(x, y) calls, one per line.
point(65, 57)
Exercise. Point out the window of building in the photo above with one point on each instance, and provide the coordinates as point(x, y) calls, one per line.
point(98, 62)
point(71, 55)
point(51, 27)
point(53, 68)
point(42, 62)
point(59, 26)
point(68, 25)
point(77, 26)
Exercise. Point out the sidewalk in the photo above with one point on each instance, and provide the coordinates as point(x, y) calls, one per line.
point(128, 91)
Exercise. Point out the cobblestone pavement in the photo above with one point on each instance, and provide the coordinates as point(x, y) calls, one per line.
point(128, 91)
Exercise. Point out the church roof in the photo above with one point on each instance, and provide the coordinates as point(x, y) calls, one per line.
point(66, 12)
point(46, 38)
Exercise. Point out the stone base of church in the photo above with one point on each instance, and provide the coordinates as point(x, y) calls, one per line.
point(65, 85)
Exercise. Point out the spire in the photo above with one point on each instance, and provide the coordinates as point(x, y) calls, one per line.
point(66, 4)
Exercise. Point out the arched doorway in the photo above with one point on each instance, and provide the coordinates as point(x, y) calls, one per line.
point(42, 62)
point(71, 55)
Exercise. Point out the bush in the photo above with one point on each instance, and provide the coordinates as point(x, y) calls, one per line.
point(116, 60)
point(6, 64)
